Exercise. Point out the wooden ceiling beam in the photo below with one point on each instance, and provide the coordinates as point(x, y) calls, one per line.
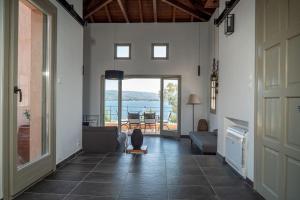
point(141, 11)
point(180, 6)
point(155, 10)
point(200, 6)
point(92, 19)
point(211, 4)
point(123, 10)
point(108, 14)
point(97, 7)
point(173, 14)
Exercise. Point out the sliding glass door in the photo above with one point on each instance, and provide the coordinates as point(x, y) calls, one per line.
point(151, 103)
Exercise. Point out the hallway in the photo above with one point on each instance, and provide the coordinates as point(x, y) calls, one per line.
point(171, 170)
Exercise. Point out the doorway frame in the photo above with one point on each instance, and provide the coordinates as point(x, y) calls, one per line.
point(137, 76)
point(7, 92)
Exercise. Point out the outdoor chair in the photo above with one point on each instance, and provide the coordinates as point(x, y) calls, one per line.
point(134, 120)
point(150, 120)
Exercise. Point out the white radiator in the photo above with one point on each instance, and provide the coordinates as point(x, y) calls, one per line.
point(235, 148)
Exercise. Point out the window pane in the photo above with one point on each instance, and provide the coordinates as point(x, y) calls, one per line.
point(32, 110)
point(123, 51)
point(160, 51)
point(111, 103)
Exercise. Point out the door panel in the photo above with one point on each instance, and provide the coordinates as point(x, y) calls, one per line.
point(32, 128)
point(272, 18)
point(292, 178)
point(293, 13)
point(293, 125)
point(271, 167)
point(277, 152)
point(272, 66)
point(293, 60)
point(273, 113)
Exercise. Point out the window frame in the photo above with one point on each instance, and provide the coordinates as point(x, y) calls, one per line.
point(160, 44)
point(116, 45)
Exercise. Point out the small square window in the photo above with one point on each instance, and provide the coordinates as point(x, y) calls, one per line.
point(122, 51)
point(160, 51)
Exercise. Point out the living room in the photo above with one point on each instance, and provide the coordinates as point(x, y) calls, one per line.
point(149, 99)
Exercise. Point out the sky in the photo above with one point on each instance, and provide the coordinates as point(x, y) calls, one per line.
point(140, 85)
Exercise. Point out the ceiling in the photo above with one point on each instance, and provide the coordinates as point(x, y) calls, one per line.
point(140, 11)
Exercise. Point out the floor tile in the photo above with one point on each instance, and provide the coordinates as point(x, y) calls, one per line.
point(233, 181)
point(112, 168)
point(35, 196)
point(190, 192)
point(209, 161)
point(77, 167)
point(150, 179)
point(183, 170)
point(234, 193)
point(218, 171)
point(99, 155)
point(142, 191)
point(67, 175)
point(97, 189)
point(86, 160)
point(54, 187)
point(82, 197)
point(101, 177)
point(171, 170)
point(187, 180)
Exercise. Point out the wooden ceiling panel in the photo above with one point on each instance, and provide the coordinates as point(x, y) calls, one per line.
point(136, 11)
point(133, 10)
point(148, 10)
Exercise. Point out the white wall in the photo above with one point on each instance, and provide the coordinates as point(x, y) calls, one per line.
point(183, 39)
point(69, 82)
point(236, 76)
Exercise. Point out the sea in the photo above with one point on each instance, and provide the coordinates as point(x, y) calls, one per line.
point(111, 108)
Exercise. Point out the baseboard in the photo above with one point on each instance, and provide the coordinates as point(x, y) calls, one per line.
point(249, 182)
point(62, 163)
point(221, 157)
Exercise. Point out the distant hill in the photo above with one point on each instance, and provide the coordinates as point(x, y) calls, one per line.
point(111, 95)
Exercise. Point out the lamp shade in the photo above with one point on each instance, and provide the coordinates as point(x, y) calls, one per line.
point(193, 99)
point(114, 74)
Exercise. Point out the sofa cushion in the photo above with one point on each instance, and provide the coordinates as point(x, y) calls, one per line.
point(206, 141)
point(102, 139)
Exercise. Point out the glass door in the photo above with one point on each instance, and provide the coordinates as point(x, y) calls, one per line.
point(170, 107)
point(32, 121)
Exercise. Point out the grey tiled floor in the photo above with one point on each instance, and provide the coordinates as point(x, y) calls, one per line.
point(171, 170)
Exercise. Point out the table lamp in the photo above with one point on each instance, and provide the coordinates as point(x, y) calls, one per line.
point(193, 100)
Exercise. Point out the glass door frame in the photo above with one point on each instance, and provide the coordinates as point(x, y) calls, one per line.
point(19, 179)
point(162, 78)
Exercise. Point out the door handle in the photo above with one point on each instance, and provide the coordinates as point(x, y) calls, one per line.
point(18, 90)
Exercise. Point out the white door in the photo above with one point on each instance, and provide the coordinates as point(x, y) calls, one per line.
point(32, 71)
point(170, 107)
point(277, 156)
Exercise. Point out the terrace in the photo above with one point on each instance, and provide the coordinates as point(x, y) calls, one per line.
point(127, 126)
